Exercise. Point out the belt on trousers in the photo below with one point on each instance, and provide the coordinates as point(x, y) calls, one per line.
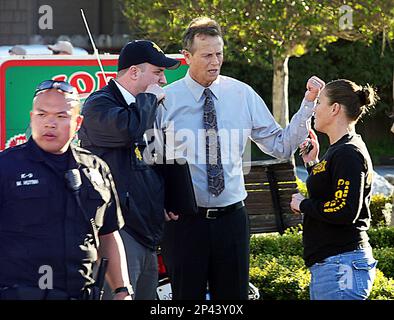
point(213, 213)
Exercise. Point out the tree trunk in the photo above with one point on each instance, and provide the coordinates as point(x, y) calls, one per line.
point(280, 84)
point(391, 115)
point(392, 108)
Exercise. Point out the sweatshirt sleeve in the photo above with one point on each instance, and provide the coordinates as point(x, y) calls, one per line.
point(347, 192)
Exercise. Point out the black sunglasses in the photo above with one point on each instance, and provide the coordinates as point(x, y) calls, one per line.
point(53, 84)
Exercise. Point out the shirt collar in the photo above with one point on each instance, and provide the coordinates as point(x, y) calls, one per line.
point(128, 97)
point(197, 89)
point(35, 153)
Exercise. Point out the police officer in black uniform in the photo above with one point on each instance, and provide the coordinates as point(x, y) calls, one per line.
point(59, 209)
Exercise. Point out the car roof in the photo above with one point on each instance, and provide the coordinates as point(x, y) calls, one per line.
point(38, 49)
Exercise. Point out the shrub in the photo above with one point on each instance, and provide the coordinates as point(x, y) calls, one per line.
point(381, 209)
point(278, 270)
point(280, 278)
point(385, 257)
point(381, 237)
point(301, 186)
point(383, 288)
point(290, 243)
point(276, 279)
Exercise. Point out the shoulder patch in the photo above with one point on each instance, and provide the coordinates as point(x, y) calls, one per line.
point(320, 167)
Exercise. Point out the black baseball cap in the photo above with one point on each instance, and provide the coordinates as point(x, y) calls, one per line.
point(140, 51)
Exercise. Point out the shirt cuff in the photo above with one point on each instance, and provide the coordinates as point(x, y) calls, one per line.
point(304, 119)
point(308, 107)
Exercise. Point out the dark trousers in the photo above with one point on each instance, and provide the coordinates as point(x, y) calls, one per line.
point(198, 251)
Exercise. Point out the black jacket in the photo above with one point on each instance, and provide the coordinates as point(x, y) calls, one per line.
point(113, 130)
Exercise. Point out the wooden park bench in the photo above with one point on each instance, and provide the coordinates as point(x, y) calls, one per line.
point(270, 184)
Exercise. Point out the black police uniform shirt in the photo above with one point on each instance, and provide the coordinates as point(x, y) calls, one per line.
point(41, 224)
point(337, 214)
point(114, 130)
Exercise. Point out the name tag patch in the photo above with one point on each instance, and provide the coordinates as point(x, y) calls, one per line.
point(26, 180)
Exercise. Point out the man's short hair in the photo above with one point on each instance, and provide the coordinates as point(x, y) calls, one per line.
point(71, 98)
point(201, 25)
point(69, 92)
point(74, 100)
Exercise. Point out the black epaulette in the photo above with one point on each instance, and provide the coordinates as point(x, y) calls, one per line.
point(13, 149)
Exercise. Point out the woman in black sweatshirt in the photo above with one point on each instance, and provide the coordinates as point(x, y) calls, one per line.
point(337, 214)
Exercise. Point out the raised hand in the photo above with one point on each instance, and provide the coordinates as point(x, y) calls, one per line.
point(314, 86)
point(157, 91)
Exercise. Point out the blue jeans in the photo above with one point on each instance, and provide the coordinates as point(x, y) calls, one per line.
point(346, 276)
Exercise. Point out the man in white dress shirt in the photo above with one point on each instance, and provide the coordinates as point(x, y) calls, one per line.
point(210, 117)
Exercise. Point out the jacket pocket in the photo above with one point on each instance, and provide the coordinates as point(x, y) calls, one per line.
point(26, 206)
point(364, 275)
point(31, 192)
point(364, 264)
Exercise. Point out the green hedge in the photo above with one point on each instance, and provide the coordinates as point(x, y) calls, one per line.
point(289, 244)
point(278, 270)
point(381, 209)
point(385, 257)
point(383, 287)
point(280, 278)
point(381, 237)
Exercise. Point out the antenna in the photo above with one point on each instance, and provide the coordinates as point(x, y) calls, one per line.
point(94, 46)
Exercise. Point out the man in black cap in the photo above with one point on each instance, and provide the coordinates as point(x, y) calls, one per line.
point(115, 120)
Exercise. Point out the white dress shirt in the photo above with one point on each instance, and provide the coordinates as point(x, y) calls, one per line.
point(241, 113)
point(128, 97)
